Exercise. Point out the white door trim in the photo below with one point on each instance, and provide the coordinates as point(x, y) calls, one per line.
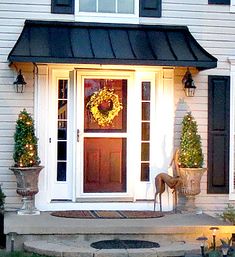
point(163, 82)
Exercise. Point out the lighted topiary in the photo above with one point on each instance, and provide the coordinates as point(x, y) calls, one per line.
point(190, 155)
point(25, 151)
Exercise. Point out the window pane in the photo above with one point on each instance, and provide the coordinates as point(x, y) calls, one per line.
point(145, 111)
point(125, 6)
point(119, 88)
point(61, 171)
point(62, 109)
point(145, 131)
point(61, 151)
point(145, 152)
point(107, 6)
point(87, 5)
point(145, 90)
point(62, 130)
point(62, 89)
point(144, 172)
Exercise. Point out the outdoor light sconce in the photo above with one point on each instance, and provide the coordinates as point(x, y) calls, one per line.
point(202, 240)
point(19, 83)
point(214, 229)
point(189, 86)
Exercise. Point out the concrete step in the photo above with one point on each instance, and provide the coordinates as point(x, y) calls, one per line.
point(65, 248)
point(167, 230)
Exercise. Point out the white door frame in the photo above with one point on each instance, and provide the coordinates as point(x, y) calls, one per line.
point(163, 82)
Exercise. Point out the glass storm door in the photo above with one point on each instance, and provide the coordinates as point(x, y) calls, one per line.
point(104, 135)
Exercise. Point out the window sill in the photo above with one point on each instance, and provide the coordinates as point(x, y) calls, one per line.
point(232, 8)
point(107, 19)
point(231, 196)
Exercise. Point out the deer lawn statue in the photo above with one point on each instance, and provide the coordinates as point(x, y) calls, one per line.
point(172, 182)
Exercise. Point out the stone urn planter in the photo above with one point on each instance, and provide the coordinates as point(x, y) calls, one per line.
point(27, 187)
point(191, 181)
point(190, 161)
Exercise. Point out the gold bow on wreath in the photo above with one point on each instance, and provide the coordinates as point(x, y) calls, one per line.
point(104, 106)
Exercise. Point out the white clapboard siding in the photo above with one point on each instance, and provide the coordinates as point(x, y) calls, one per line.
point(213, 26)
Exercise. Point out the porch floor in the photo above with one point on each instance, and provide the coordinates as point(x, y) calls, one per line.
point(47, 234)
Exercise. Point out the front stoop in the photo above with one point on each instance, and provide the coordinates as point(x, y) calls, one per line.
point(74, 236)
point(66, 249)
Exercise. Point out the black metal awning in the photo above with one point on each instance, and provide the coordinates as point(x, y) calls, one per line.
point(70, 42)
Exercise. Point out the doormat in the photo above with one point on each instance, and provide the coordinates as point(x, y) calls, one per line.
point(107, 214)
point(124, 244)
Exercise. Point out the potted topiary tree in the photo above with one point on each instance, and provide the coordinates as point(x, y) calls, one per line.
point(190, 161)
point(26, 168)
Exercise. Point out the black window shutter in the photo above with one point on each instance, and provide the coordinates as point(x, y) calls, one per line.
point(218, 1)
point(62, 6)
point(218, 134)
point(150, 8)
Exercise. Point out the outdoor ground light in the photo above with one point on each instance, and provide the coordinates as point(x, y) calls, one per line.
point(188, 83)
point(202, 240)
point(214, 230)
point(19, 83)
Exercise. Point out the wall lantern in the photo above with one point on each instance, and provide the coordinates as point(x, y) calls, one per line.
point(189, 86)
point(19, 83)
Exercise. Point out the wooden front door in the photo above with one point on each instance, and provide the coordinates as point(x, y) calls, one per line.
point(105, 111)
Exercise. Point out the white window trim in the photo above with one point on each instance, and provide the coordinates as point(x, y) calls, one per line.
point(107, 17)
point(232, 6)
point(232, 129)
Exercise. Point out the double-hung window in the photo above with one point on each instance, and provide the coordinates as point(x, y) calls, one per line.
point(108, 8)
point(219, 2)
point(224, 2)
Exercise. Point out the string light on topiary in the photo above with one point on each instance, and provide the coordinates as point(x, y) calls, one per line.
point(25, 152)
point(190, 145)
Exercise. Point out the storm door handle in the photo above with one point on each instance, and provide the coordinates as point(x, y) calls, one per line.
point(78, 135)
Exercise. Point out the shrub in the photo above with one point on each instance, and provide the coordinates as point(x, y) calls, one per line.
point(228, 214)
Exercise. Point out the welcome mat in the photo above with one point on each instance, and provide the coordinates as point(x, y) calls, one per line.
point(107, 214)
point(124, 244)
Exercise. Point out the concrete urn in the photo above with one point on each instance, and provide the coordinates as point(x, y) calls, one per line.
point(191, 185)
point(27, 187)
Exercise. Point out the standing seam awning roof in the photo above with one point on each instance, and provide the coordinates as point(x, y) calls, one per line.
point(96, 43)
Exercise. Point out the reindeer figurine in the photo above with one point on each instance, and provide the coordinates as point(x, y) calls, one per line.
point(174, 183)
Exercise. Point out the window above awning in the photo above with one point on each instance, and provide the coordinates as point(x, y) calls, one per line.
point(70, 42)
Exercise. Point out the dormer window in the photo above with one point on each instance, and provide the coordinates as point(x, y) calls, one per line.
point(107, 6)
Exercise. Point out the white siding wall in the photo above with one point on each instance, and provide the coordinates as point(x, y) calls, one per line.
point(213, 26)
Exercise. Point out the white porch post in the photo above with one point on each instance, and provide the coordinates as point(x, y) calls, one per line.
point(40, 112)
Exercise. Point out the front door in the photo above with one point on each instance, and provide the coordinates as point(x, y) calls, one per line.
point(103, 135)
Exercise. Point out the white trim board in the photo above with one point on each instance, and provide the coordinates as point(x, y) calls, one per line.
point(232, 130)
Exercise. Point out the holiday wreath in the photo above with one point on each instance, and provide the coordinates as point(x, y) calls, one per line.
point(104, 106)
